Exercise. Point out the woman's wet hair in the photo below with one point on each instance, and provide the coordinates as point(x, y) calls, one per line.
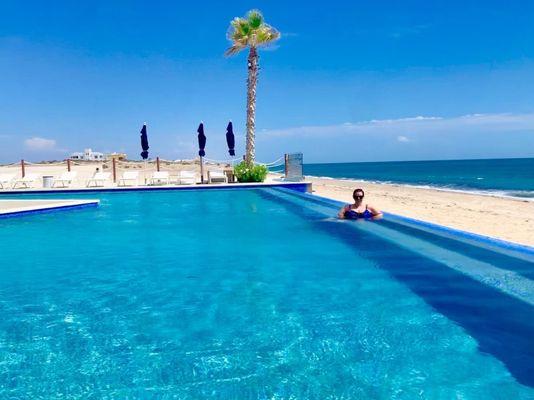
point(356, 191)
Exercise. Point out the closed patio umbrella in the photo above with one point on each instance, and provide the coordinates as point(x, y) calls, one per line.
point(230, 138)
point(144, 147)
point(144, 142)
point(201, 147)
point(201, 140)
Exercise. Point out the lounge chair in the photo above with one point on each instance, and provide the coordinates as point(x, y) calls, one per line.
point(217, 176)
point(65, 179)
point(187, 178)
point(98, 179)
point(159, 178)
point(26, 182)
point(6, 180)
point(129, 178)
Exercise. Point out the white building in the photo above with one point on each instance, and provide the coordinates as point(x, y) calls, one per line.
point(87, 155)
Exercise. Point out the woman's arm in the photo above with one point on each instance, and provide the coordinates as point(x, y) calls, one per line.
point(341, 213)
point(375, 211)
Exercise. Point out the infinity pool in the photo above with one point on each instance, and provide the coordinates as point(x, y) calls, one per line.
point(255, 294)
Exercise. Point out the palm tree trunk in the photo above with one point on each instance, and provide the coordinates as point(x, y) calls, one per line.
point(252, 81)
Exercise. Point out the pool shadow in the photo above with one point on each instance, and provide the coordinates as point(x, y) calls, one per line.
point(502, 325)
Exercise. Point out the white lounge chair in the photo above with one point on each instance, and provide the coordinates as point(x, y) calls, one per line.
point(65, 179)
point(217, 176)
point(129, 178)
point(26, 182)
point(6, 180)
point(159, 178)
point(99, 179)
point(187, 178)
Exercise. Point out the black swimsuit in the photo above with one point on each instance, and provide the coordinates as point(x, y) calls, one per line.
point(351, 214)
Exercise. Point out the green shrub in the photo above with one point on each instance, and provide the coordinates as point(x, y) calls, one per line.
point(250, 173)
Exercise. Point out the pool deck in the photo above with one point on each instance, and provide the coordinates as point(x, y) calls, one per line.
point(300, 186)
point(11, 208)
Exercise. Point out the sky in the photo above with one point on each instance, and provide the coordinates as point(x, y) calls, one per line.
point(358, 81)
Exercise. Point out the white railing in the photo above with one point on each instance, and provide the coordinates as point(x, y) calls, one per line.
point(117, 167)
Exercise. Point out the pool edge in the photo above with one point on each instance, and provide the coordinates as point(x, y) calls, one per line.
point(50, 208)
point(499, 243)
point(304, 187)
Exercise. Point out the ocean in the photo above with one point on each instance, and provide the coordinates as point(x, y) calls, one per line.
point(507, 177)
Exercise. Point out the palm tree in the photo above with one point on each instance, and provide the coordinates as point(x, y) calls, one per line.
point(251, 32)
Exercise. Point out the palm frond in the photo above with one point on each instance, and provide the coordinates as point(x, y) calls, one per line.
point(233, 50)
point(266, 35)
point(235, 29)
point(254, 19)
point(244, 27)
point(250, 31)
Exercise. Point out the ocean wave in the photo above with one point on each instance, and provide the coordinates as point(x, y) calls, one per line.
point(524, 195)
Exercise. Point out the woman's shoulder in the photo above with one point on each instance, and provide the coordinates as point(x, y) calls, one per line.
point(373, 209)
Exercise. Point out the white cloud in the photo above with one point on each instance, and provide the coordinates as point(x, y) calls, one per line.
point(39, 144)
point(485, 123)
point(429, 137)
point(289, 34)
point(271, 47)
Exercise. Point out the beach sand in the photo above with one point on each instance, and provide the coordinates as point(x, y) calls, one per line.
point(503, 218)
point(86, 169)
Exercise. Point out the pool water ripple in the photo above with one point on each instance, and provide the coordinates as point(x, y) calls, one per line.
point(227, 296)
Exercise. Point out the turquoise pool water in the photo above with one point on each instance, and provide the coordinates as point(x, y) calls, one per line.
point(255, 294)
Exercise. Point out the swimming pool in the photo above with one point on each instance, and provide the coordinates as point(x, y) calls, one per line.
point(255, 294)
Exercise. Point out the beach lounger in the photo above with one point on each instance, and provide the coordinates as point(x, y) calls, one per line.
point(6, 180)
point(159, 178)
point(129, 178)
point(26, 182)
point(99, 179)
point(217, 176)
point(65, 179)
point(187, 178)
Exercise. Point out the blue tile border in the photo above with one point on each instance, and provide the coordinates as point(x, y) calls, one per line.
point(48, 209)
point(499, 243)
point(466, 235)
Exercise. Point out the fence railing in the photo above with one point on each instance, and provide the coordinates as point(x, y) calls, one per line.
point(86, 169)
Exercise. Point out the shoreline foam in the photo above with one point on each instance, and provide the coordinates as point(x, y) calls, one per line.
point(490, 192)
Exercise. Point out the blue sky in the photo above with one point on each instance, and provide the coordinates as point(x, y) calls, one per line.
point(358, 81)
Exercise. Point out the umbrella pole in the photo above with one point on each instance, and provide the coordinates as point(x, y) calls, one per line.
point(201, 170)
point(146, 167)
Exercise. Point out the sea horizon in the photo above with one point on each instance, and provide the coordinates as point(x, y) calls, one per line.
point(507, 177)
point(424, 160)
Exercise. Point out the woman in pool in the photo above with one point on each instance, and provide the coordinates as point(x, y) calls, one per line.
point(358, 209)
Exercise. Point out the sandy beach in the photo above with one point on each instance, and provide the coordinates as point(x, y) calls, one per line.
point(503, 218)
point(86, 169)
